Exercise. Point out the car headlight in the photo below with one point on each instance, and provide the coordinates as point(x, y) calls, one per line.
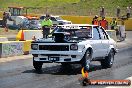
point(74, 47)
point(34, 46)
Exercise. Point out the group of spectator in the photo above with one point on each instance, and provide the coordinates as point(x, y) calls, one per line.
point(104, 23)
point(118, 12)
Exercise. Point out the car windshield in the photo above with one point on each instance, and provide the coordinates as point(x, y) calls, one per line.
point(59, 18)
point(76, 33)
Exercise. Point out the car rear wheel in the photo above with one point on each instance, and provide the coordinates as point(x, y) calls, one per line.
point(108, 61)
point(86, 60)
point(37, 65)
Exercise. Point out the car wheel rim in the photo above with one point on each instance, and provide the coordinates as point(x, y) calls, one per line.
point(87, 59)
point(112, 58)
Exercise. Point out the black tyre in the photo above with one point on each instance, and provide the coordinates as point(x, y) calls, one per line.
point(86, 60)
point(37, 65)
point(108, 61)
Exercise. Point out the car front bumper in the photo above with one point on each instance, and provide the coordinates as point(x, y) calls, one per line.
point(57, 56)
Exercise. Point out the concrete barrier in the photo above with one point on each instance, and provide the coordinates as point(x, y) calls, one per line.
point(26, 46)
point(112, 34)
point(3, 39)
point(14, 48)
point(28, 34)
point(128, 24)
point(11, 48)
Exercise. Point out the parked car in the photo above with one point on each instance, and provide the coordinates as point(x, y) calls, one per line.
point(57, 20)
point(18, 22)
point(75, 43)
point(34, 24)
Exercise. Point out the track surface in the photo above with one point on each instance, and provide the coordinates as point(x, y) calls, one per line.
point(21, 74)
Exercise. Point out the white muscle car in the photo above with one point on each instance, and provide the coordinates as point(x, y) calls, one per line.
point(75, 43)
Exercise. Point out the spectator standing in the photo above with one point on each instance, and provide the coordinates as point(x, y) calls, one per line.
point(104, 23)
point(118, 12)
point(113, 23)
point(4, 19)
point(4, 23)
point(95, 20)
point(114, 26)
point(102, 11)
point(128, 10)
point(46, 26)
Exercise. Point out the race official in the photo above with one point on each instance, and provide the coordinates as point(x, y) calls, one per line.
point(95, 20)
point(104, 23)
point(46, 26)
point(113, 24)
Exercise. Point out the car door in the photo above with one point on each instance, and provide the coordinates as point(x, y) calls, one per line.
point(104, 41)
point(96, 43)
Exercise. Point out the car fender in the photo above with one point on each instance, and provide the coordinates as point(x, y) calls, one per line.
point(112, 47)
point(87, 46)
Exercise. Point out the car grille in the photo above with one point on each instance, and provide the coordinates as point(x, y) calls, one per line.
point(54, 47)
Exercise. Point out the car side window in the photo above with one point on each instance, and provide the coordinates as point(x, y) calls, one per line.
point(105, 35)
point(102, 33)
point(53, 19)
point(96, 35)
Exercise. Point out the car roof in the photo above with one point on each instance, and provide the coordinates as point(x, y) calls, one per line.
point(75, 26)
point(55, 16)
point(51, 16)
point(21, 17)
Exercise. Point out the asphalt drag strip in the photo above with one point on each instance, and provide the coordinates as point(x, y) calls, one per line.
point(21, 74)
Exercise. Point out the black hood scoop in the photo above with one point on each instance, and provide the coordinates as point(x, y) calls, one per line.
point(59, 37)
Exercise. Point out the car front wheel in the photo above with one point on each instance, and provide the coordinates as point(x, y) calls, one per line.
point(37, 65)
point(108, 61)
point(86, 60)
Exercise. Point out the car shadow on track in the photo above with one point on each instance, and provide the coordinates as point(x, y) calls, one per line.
point(59, 70)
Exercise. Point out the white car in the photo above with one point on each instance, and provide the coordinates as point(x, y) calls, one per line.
point(57, 20)
point(34, 24)
point(18, 22)
point(75, 43)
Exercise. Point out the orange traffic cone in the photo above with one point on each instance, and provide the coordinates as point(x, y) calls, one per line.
point(6, 29)
point(22, 36)
point(84, 73)
point(33, 38)
point(84, 80)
